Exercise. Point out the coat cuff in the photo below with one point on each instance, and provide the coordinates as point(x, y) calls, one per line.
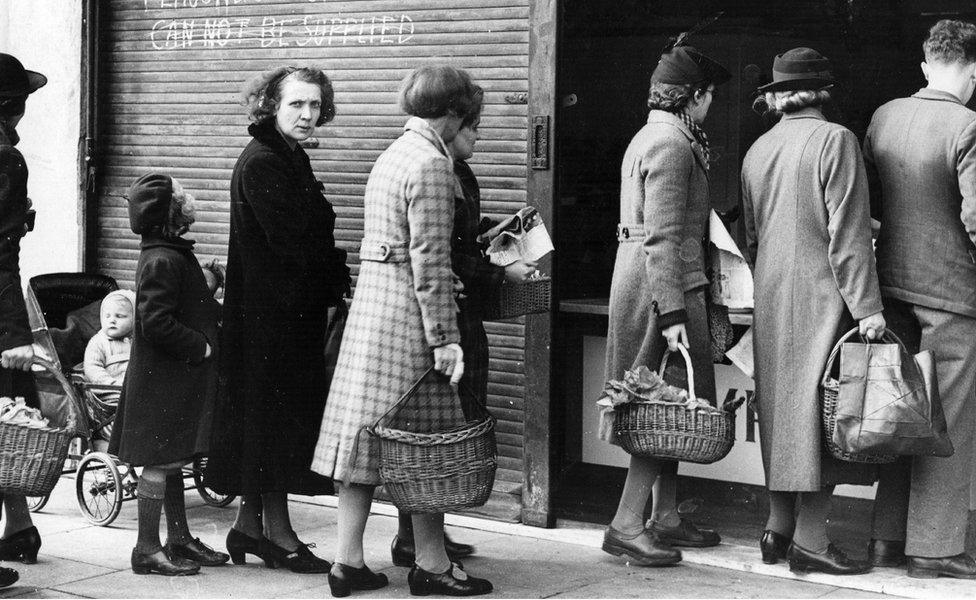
point(675, 317)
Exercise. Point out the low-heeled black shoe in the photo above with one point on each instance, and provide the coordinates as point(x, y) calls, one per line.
point(960, 566)
point(157, 562)
point(239, 545)
point(196, 551)
point(453, 582)
point(404, 553)
point(343, 579)
point(686, 534)
point(8, 577)
point(887, 553)
point(831, 561)
point(22, 545)
point(773, 546)
point(644, 549)
point(299, 560)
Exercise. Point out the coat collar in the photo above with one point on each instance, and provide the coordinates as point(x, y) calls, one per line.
point(663, 116)
point(157, 241)
point(427, 132)
point(266, 133)
point(805, 113)
point(930, 94)
point(8, 135)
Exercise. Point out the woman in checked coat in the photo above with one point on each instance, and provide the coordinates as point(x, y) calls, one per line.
point(403, 321)
point(805, 195)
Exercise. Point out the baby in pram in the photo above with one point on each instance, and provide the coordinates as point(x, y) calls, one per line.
point(107, 354)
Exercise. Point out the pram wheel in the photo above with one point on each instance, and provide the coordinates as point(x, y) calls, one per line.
point(209, 496)
point(36, 503)
point(99, 488)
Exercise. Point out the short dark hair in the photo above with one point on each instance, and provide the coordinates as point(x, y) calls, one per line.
point(434, 91)
point(478, 103)
point(950, 42)
point(672, 97)
point(262, 93)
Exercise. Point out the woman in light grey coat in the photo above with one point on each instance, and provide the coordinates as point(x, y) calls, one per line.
point(805, 197)
point(657, 292)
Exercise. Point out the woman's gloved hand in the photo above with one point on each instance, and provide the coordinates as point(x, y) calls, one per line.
point(449, 361)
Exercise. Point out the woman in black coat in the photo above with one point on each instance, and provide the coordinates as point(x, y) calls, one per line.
point(164, 414)
point(286, 281)
point(20, 538)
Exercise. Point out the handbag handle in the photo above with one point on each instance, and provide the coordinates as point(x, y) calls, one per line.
point(888, 335)
point(691, 370)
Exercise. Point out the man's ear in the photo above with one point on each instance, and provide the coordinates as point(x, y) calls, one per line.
point(925, 69)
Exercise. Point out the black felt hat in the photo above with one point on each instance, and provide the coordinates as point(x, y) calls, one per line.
point(149, 201)
point(15, 80)
point(686, 65)
point(800, 69)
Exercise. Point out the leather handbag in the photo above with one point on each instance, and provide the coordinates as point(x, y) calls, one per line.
point(887, 400)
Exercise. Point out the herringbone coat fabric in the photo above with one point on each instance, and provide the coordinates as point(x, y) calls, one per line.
point(805, 197)
point(664, 191)
point(402, 308)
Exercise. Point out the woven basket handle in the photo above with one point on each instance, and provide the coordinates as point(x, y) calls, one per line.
point(413, 389)
point(69, 389)
point(691, 370)
point(888, 336)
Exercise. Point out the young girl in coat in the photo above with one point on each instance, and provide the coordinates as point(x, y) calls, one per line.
point(167, 399)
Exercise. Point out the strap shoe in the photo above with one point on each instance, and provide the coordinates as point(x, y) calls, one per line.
point(831, 561)
point(960, 566)
point(343, 579)
point(644, 549)
point(453, 582)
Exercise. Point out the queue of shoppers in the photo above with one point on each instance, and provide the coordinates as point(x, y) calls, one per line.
point(279, 386)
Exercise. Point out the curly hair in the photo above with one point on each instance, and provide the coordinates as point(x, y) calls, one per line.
point(434, 91)
point(181, 214)
point(672, 97)
point(793, 101)
point(951, 42)
point(262, 93)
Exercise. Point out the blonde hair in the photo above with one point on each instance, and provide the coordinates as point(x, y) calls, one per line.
point(793, 101)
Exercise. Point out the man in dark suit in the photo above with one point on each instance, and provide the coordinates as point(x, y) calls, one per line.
point(921, 157)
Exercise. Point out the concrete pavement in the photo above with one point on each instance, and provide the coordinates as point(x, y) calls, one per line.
point(81, 560)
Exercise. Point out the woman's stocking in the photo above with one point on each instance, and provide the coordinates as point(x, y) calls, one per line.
point(641, 475)
point(811, 521)
point(428, 536)
point(354, 503)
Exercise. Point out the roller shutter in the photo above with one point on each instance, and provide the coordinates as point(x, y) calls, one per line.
point(170, 77)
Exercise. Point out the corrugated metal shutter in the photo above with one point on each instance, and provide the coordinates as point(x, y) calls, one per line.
point(171, 74)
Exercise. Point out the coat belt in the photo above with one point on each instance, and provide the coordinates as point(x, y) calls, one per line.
point(630, 233)
point(377, 251)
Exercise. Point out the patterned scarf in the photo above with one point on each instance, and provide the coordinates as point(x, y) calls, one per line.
point(699, 134)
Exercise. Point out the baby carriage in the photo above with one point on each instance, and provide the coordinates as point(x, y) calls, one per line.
point(63, 309)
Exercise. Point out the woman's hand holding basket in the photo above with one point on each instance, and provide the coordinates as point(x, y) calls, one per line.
point(449, 361)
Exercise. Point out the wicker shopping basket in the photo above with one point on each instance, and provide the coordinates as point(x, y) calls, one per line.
point(31, 458)
point(829, 391)
point(436, 472)
point(518, 299)
point(672, 430)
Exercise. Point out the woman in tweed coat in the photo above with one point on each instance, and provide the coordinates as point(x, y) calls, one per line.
point(403, 322)
point(657, 293)
point(481, 280)
point(805, 195)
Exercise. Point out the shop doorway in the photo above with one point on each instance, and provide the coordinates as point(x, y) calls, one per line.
point(606, 53)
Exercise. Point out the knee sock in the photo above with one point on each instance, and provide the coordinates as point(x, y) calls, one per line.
point(177, 529)
point(404, 526)
point(641, 475)
point(664, 503)
point(811, 521)
point(151, 491)
point(782, 513)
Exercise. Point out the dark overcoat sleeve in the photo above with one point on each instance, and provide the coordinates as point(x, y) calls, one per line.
point(849, 250)
point(666, 167)
point(14, 328)
point(157, 307)
point(966, 174)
